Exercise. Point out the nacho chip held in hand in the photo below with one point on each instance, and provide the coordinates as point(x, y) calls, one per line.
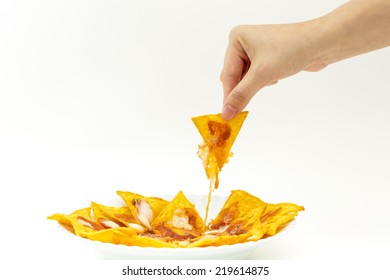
point(218, 138)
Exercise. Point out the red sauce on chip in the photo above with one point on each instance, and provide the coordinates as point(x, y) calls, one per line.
point(168, 232)
point(220, 131)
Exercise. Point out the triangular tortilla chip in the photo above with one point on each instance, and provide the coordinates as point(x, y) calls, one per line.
point(218, 136)
point(78, 222)
point(240, 215)
point(238, 205)
point(276, 216)
point(179, 220)
point(145, 209)
point(113, 217)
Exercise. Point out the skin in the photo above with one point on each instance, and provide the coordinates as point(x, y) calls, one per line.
point(260, 55)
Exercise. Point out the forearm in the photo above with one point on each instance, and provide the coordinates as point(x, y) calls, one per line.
point(357, 27)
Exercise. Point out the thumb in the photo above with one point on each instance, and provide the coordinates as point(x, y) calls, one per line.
point(240, 96)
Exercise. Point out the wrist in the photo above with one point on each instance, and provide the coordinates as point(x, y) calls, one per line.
point(317, 44)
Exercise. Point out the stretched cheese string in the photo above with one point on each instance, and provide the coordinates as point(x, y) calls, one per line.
point(213, 180)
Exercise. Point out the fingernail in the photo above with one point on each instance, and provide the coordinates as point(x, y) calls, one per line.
point(229, 112)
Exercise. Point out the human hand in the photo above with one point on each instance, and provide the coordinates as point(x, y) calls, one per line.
point(261, 55)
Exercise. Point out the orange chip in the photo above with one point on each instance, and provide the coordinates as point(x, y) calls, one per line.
point(179, 220)
point(145, 209)
point(276, 216)
point(240, 215)
point(238, 205)
point(112, 216)
point(218, 136)
point(78, 222)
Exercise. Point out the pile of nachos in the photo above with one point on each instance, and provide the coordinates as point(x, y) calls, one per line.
point(155, 222)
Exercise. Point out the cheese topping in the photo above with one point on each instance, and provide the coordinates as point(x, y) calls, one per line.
point(180, 220)
point(144, 212)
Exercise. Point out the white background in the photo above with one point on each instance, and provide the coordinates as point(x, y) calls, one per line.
point(97, 96)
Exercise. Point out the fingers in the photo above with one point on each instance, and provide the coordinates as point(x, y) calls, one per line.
point(233, 69)
point(243, 73)
point(240, 96)
point(229, 84)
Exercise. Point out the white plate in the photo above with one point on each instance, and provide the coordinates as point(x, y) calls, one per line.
point(224, 252)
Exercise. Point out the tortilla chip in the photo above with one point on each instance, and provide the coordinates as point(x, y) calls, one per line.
point(238, 205)
point(179, 220)
point(218, 136)
point(238, 231)
point(112, 216)
point(240, 215)
point(144, 209)
point(278, 215)
point(79, 222)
